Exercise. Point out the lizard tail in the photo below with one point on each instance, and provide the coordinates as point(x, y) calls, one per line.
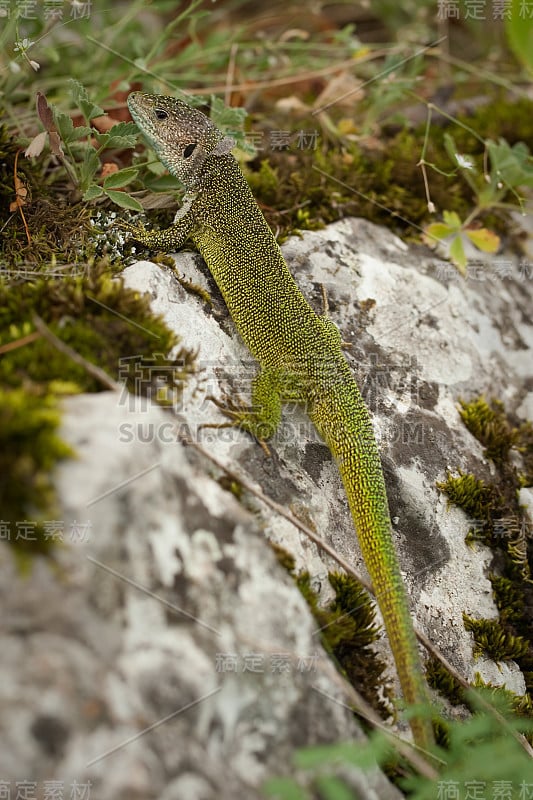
point(352, 443)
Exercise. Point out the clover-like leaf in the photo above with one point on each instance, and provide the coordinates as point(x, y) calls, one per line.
point(484, 239)
point(93, 192)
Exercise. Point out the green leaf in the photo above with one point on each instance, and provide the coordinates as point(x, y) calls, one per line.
point(231, 121)
point(92, 192)
point(364, 755)
point(452, 219)
point(333, 788)
point(438, 230)
point(124, 129)
point(89, 167)
point(519, 31)
point(457, 255)
point(120, 178)
point(123, 200)
point(64, 124)
point(484, 239)
point(451, 147)
point(511, 165)
point(123, 134)
point(284, 789)
point(81, 98)
point(156, 167)
point(163, 183)
point(65, 127)
point(225, 116)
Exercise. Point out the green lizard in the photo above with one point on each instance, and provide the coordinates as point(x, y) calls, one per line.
point(299, 352)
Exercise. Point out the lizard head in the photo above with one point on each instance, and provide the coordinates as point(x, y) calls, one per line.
point(181, 136)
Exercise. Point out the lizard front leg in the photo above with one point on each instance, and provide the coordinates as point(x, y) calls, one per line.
point(168, 240)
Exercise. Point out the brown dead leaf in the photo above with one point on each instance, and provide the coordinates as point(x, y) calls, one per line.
point(46, 116)
point(45, 112)
point(344, 91)
point(21, 194)
point(55, 144)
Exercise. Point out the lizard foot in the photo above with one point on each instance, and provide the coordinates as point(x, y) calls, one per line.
point(240, 416)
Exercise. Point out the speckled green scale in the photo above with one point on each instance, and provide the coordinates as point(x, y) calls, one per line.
point(299, 352)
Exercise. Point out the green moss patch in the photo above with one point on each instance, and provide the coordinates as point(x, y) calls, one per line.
point(501, 524)
point(348, 630)
point(109, 326)
point(29, 449)
point(94, 314)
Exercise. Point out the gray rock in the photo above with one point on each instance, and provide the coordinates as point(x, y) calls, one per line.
point(420, 337)
point(169, 655)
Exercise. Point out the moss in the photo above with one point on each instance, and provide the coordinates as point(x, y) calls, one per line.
point(500, 697)
point(508, 444)
point(509, 598)
point(352, 600)
point(501, 525)
point(230, 485)
point(507, 701)
point(524, 446)
point(60, 232)
point(110, 326)
point(440, 679)
point(347, 629)
point(501, 117)
point(283, 196)
point(265, 181)
point(308, 191)
point(380, 180)
point(491, 639)
point(490, 426)
point(473, 495)
point(29, 450)
point(86, 306)
point(285, 559)
point(103, 321)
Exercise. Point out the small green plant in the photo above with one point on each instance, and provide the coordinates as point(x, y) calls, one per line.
point(501, 524)
point(483, 754)
point(82, 160)
point(510, 167)
point(477, 499)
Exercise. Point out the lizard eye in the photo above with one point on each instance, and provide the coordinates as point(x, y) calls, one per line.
point(161, 113)
point(189, 150)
